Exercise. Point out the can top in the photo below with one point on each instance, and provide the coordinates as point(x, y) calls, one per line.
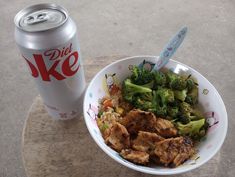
point(41, 17)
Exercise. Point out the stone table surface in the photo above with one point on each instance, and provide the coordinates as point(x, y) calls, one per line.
point(65, 148)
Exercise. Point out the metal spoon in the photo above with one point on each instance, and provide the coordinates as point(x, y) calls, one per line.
point(170, 48)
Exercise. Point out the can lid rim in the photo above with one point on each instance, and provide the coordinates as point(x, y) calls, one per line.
point(29, 9)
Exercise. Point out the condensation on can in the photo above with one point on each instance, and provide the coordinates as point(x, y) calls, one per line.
point(48, 41)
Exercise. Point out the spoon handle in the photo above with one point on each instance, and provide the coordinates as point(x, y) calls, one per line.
point(170, 48)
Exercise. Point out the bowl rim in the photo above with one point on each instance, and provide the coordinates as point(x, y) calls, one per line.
point(132, 165)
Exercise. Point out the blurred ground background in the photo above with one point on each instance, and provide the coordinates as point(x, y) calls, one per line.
point(121, 27)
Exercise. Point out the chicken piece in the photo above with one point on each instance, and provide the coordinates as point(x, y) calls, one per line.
point(137, 120)
point(174, 151)
point(118, 137)
point(146, 142)
point(165, 128)
point(135, 156)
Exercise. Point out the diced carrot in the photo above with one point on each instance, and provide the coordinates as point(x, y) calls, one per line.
point(108, 103)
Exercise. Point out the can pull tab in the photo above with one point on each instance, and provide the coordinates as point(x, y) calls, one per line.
point(37, 18)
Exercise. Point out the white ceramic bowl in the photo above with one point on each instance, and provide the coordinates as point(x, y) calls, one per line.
point(209, 98)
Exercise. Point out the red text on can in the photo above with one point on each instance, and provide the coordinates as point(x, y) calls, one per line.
point(67, 65)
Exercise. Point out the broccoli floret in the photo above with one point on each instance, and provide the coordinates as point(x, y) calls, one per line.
point(183, 118)
point(161, 110)
point(191, 116)
point(160, 99)
point(149, 85)
point(190, 84)
point(192, 96)
point(175, 103)
point(146, 96)
point(197, 114)
point(130, 90)
point(172, 111)
point(160, 78)
point(150, 102)
point(143, 104)
point(146, 99)
point(187, 112)
point(141, 76)
point(194, 129)
point(156, 106)
point(166, 95)
point(185, 107)
point(180, 95)
point(175, 81)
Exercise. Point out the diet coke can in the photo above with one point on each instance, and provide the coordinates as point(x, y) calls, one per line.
point(47, 39)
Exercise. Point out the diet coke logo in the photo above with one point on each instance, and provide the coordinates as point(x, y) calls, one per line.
point(60, 69)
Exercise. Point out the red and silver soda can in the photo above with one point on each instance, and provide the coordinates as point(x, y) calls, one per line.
point(47, 39)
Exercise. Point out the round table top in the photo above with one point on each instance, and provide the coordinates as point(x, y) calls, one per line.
point(53, 148)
